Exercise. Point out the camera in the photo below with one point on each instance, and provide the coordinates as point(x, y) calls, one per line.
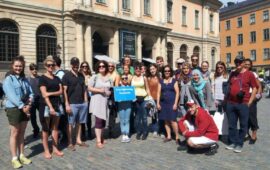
point(240, 95)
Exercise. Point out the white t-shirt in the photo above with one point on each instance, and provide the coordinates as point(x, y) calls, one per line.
point(256, 76)
point(217, 86)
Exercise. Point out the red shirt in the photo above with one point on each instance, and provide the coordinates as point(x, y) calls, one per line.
point(204, 125)
point(248, 81)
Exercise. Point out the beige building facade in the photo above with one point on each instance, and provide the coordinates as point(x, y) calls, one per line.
point(85, 28)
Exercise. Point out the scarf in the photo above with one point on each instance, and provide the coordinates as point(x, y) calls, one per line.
point(199, 86)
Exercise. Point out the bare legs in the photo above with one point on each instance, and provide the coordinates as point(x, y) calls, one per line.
point(16, 139)
point(168, 125)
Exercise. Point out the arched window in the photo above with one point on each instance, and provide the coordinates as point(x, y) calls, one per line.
point(170, 54)
point(183, 51)
point(46, 42)
point(9, 40)
point(196, 51)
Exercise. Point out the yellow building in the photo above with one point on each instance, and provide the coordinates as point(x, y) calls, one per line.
point(84, 28)
point(245, 30)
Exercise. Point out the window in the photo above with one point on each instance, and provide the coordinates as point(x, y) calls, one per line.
point(253, 55)
point(147, 7)
point(265, 15)
point(228, 25)
point(253, 36)
point(196, 19)
point(9, 40)
point(101, 1)
point(213, 58)
point(228, 58)
point(228, 41)
point(170, 53)
point(196, 51)
point(211, 23)
point(183, 51)
point(266, 53)
point(240, 53)
point(239, 22)
point(46, 42)
point(169, 11)
point(252, 19)
point(184, 15)
point(266, 34)
point(240, 39)
point(126, 5)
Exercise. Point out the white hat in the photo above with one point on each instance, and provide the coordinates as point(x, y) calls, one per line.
point(180, 60)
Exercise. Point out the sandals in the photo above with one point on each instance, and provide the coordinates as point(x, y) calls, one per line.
point(99, 145)
point(167, 140)
point(47, 156)
point(82, 144)
point(71, 147)
point(58, 153)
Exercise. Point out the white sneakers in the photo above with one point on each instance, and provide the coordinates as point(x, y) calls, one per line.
point(125, 139)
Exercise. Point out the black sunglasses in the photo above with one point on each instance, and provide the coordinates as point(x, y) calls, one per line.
point(101, 66)
point(50, 65)
point(33, 69)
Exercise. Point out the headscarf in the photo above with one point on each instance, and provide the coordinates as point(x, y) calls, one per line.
point(199, 86)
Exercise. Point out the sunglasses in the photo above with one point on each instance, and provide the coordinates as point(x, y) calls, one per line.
point(85, 66)
point(238, 62)
point(124, 78)
point(101, 66)
point(50, 65)
point(33, 69)
point(167, 71)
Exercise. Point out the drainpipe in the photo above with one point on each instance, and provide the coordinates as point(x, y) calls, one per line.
point(63, 33)
point(202, 28)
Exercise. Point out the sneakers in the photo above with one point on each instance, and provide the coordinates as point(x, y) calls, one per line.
point(25, 160)
point(16, 164)
point(238, 149)
point(155, 134)
point(212, 150)
point(125, 139)
point(230, 147)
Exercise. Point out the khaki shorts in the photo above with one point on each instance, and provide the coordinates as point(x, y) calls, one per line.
point(16, 116)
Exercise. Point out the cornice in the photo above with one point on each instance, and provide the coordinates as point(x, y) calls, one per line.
point(194, 38)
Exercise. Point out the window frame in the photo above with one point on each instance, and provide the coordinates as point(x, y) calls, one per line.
point(266, 50)
point(184, 16)
point(197, 16)
point(239, 20)
point(147, 7)
point(228, 24)
point(266, 17)
point(228, 57)
point(169, 11)
point(228, 39)
point(266, 38)
point(126, 6)
point(240, 39)
point(253, 55)
point(253, 37)
point(252, 18)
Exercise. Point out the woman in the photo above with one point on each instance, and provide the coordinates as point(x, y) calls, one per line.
point(186, 92)
point(86, 71)
point(203, 90)
point(127, 61)
point(141, 91)
point(124, 108)
point(154, 88)
point(99, 86)
point(19, 97)
point(50, 108)
point(253, 121)
point(168, 103)
point(204, 70)
point(220, 77)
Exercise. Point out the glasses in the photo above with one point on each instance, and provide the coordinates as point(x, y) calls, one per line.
point(101, 66)
point(124, 78)
point(85, 66)
point(167, 71)
point(50, 65)
point(33, 69)
point(237, 62)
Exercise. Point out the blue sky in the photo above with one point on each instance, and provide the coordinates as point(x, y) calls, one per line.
point(225, 1)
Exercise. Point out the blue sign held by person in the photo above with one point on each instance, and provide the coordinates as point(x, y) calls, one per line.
point(124, 93)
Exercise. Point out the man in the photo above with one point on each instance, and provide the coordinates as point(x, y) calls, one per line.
point(179, 62)
point(76, 103)
point(238, 101)
point(160, 63)
point(195, 62)
point(59, 72)
point(34, 83)
point(199, 129)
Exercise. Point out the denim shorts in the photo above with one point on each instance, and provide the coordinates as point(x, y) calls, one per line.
point(79, 113)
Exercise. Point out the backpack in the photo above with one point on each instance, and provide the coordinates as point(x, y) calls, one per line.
point(2, 93)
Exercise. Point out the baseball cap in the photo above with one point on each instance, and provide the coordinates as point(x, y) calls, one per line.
point(180, 60)
point(239, 59)
point(74, 61)
point(190, 103)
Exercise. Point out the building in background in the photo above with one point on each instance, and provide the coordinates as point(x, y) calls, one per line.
point(84, 28)
point(245, 30)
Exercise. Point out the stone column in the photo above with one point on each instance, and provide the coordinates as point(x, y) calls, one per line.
point(79, 41)
point(139, 46)
point(116, 55)
point(163, 48)
point(88, 47)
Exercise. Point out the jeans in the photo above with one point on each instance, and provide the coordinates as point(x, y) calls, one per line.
point(79, 113)
point(33, 109)
point(141, 118)
point(235, 112)
point(124, 110)
point(253, 121)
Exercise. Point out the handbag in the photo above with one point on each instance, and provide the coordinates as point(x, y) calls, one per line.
point(221, 121)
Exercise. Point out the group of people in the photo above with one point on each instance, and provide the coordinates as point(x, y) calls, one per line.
point(181, 101)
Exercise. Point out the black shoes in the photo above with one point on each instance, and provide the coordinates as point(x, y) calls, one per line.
point(144, 136)
point(212, 150)
point(138, 136)
point(252, 141)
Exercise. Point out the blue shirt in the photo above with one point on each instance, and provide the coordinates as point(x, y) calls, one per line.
point(15, 87)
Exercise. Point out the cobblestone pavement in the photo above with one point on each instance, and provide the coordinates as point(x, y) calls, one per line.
point(149, 154)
